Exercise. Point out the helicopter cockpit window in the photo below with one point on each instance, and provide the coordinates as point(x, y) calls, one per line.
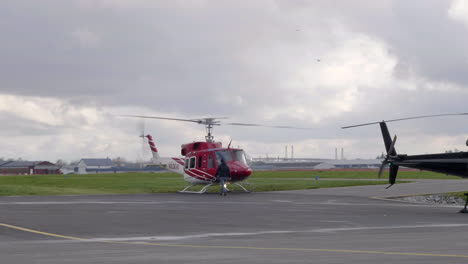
point(186, 163)
point(239, 155)
point(192, 162)
point(223, 154)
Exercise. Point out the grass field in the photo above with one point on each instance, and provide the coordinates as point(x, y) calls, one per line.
point(130, 183)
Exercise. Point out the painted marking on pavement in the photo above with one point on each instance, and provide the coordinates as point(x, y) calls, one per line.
point(317, 230)
point(39, 232)
point(303, 249)
point(123, 202)
point(250, 248)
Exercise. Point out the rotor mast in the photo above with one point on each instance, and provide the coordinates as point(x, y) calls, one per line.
point(209, 125)
point(209, 137)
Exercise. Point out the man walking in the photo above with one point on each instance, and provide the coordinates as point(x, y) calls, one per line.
point(223, 174)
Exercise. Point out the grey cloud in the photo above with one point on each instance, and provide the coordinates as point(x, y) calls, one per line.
point(233, 58)
point(147, 55)
point(17, 126)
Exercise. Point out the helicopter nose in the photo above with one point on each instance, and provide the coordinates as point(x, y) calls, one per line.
point(245, 172)
point(239, 170)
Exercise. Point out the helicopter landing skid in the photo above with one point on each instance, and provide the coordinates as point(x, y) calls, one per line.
point(242, 187)
point(203, 190)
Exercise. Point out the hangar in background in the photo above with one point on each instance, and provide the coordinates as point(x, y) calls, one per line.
point(94, 166)
point(29, 168)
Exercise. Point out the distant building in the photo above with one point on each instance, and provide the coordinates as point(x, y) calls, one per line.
point(94, 166)
point(350, 164)
point(356, 164)
point(316, 164)
point(29, 168)
point(68, 169)
point(284, 165)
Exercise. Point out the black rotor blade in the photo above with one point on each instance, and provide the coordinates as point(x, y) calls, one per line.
point(390, 150)
point(382, 168)
point(392, 146)
point(406, 118)
point(392, 174)
point(260, 125)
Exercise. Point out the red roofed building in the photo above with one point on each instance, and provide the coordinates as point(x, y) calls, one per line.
point(29, 168)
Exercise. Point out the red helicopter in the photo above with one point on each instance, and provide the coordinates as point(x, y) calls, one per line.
point(200, 160)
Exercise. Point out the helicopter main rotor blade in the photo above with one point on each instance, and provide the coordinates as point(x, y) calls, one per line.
point(163, 118)
point(211, 121)
point(260, 125)
point(406, 118)
point(195, 120)
point(381, 168)
point(392, 146)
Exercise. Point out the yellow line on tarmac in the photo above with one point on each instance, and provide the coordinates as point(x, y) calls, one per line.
point(39, 232)
point(239, 247)
point(301, 249)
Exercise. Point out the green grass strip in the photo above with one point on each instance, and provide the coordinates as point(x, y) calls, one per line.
point(133, 183)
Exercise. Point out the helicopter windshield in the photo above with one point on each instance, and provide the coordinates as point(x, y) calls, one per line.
point(226, 155)
point(223, 154)
point(239, 155)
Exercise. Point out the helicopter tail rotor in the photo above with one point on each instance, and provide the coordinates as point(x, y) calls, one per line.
point(141, 127)
point(141, 151)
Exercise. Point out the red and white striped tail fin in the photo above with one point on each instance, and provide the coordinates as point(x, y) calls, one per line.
point(153, 148)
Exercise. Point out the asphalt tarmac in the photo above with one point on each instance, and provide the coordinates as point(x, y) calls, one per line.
point(339, 225)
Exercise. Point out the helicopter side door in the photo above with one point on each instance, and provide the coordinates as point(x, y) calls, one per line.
point(206, 162)
point(210, 163)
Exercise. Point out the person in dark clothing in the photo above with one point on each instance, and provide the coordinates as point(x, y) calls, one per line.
point(223, 174)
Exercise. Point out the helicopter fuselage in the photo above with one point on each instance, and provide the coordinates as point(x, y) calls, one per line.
point(201, 160)
point(200, 166)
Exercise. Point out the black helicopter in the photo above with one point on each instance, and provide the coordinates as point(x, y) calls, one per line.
point(446, 163)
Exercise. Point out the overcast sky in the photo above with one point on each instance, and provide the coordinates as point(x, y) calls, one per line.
point(68, 66)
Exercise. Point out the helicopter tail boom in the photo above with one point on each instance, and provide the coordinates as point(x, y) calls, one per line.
point(172, 164)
